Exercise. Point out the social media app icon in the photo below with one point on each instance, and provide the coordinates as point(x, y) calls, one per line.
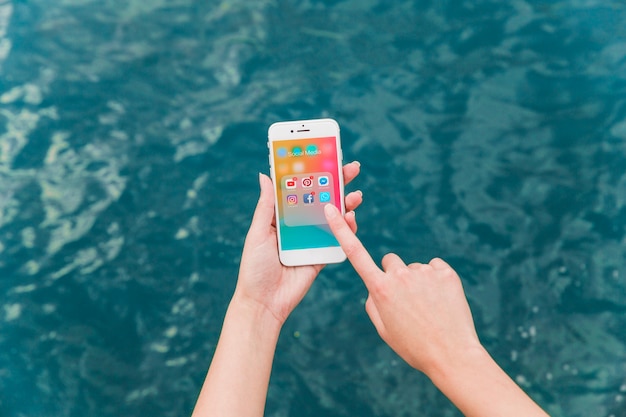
point(324, 197)
point(281, 152)
point(322, 181)
point(308, 198)
point(292, 199)
point(307, 182)
point(290, 183)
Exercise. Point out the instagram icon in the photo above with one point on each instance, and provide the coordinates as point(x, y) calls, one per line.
point(292, 200)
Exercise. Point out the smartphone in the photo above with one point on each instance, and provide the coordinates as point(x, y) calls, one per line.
point(306, 168)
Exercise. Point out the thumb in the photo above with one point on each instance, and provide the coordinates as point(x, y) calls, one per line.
point(374, 315)
point(264, 212)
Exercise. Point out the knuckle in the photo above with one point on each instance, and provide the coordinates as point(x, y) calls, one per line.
point(404, 273)
point(381, 289)
point(449, 275)
point(388, 257)
point(351, 248)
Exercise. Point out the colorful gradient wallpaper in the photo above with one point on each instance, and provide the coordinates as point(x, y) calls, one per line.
point(307, 178)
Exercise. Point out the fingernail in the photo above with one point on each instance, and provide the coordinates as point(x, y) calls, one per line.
point(359, 192)
point(356, 162)
point(330, 211)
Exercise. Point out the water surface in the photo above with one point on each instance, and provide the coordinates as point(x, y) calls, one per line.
point(131, 134)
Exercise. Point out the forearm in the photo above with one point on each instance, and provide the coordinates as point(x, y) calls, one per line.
point(479, 387)
point(237, 381)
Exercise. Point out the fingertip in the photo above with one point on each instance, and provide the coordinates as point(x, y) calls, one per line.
point(350, 171)
point(264, 179)
point(355, 196)
point(267, 188)
point(330, 211)
point(353, 200)
point(264, 212)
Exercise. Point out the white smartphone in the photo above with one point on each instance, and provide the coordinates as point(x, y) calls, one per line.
point(306, 168)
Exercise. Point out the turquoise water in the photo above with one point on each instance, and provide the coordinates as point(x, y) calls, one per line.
point(492, 134)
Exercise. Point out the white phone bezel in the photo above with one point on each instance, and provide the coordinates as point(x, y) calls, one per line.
point(304, 129)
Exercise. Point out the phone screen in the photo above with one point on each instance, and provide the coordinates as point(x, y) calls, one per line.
point(306, 179)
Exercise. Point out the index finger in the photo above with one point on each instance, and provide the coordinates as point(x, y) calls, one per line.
point(352, 246)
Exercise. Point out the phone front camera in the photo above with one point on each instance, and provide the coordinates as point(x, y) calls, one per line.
point(292, 131)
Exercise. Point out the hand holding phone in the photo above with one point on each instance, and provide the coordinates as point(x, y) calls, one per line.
point(305, 164)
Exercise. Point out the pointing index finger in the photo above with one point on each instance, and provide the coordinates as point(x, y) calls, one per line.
point(352, 246)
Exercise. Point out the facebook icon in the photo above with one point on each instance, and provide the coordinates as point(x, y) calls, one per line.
point(308, 198)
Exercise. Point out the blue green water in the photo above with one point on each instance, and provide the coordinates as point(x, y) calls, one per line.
point(492, 134)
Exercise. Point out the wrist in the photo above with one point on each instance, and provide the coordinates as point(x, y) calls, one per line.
point(242, 361)
point(475, 383)
point(459, 364)
point(251, 311)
